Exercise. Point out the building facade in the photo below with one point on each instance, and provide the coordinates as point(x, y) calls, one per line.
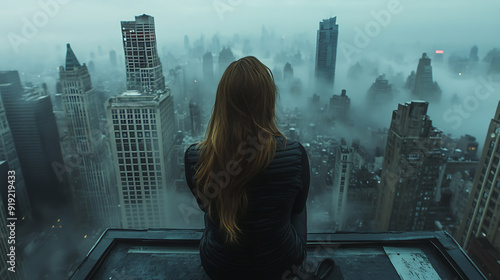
point(411, 169)
point(481, 217)
point(143, 66)
point(142, 136)
point(88, 157)
point(326, 54)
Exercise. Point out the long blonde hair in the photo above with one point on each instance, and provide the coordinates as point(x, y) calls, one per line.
point(243, 115)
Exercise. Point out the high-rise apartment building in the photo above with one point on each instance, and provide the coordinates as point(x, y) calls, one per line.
point(412, 164)
point(9, 155)
point(482, 214)
point(142, 139)
point(425, 88)
point(34, 130)
point(341, 177)
point(208, 67)
point(339, 106)
point(143, 66)
point(326, 54)
point(88, 160)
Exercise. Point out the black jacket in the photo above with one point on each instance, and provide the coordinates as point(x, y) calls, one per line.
point(270, 245)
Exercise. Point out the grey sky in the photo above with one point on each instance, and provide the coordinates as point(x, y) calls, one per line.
point(91, 23)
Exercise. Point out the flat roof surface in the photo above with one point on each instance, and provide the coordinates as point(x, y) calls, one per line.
point(174, 254)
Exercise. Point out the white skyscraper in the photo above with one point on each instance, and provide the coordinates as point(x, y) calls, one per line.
point(87, 154)
point(142, 135)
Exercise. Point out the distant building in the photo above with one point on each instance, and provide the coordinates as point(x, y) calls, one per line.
point(481, 217)
point(341, 179)
point(92, 179)
point(339, 106)
point(195, 116)
point(33, 125)
point(326, 54)
point(8, 154)
point(287, 72)
point(142, 132)
point(208, 67)
point(425, 88)
point(225, 58)
point(380, 92)
point(143, 66)
point(411, 169)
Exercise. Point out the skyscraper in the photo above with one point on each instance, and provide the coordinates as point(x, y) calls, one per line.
point(225, 58)
point(93, 185)
point(287, 72)
point(143, 66)
point(142, 139)
point(36, 138)
point(8, 153)
point(339, 106)
point(326, 54)
point(425, 88)
point(208, 67)
point(341, 177)
point(482, 215)
point(380, 92)
point(410, 172)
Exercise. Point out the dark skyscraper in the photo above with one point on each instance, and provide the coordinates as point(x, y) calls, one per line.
point(380, 92)
point(144, 70)
point(410, 172)
point(225, 58)
point(326, 54)
point(424, 87)
point(208, 67)
point(339, 106)
point(34, 129)
point(482, 215)
point(287, 72)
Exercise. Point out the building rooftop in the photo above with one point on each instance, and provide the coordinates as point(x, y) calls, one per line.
point(173, 254)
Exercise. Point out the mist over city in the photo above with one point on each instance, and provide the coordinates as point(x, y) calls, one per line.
point(392, 96)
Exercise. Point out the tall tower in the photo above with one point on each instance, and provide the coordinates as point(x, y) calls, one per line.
point(208, 67)
point(144, 70)
point(8, 154)
point(339, 106)
point(326, 54)
point(380, 92)
point(287, 72)
point(482, 216)
point(93, 187)
point(225, 58)
point(412, 163)
point(142, 135)
point(424, 87)
point(36, 138)
point(341, 178)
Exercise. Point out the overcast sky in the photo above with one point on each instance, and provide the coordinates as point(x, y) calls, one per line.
point(34, 34)
point(88, 23)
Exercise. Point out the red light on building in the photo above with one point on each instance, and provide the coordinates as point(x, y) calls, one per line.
point(439, 51)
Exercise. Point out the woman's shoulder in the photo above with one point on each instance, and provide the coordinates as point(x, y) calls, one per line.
point(191, 154)
point(285, 144)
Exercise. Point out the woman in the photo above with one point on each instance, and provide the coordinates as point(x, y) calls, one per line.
point(250, 181)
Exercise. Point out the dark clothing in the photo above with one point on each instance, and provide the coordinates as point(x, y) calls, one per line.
point(274, 224)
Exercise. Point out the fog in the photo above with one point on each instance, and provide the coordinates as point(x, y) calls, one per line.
point(383, 37)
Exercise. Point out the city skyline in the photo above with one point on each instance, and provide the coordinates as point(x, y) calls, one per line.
point(136, 112)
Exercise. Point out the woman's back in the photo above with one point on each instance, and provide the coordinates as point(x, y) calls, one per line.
point(269, 244)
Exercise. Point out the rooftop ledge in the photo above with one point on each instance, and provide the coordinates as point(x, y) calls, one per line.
point(173, 254)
